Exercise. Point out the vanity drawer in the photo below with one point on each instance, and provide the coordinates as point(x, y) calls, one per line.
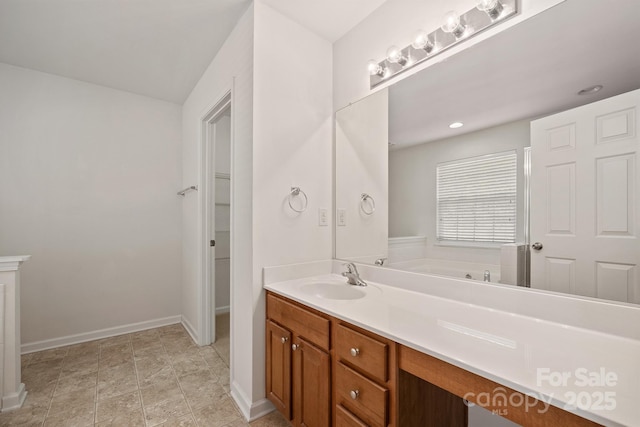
point(344, 418)
point(363, 352)
point(300, 321)
point(362, 397)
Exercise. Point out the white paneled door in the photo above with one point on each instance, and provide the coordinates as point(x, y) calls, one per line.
point(584, 200)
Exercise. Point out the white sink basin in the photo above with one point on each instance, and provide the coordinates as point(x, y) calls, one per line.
point(335, 290)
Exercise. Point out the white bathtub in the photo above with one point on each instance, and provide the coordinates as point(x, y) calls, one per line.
point(448, 268)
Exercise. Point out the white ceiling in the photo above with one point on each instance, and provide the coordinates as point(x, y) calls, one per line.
point(533, 69)
point(157, 48)
point(330, 19)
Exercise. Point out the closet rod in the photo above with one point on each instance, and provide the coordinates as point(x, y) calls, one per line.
point(186, 190)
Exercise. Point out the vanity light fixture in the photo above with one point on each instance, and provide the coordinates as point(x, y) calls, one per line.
point(453, 24)
point(421, 41)
point(590, 90)
point(395, 56)
point(375, 69)
point(493, 8)
point(456, 29)
point(456, 125)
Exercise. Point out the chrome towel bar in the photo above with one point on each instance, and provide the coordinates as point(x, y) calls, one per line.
point(186, 190)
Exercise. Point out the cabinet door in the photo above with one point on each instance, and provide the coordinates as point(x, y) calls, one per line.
point(279, 368)
point(311, 385)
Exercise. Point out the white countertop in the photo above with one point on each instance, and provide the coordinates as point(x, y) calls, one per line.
point(512, 349)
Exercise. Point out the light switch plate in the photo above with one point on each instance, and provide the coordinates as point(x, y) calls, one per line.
point(342, 217)
point(323, 217)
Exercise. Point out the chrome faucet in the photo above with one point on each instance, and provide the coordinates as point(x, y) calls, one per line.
point(353, 278)
point(487, 276)
point(380, 261)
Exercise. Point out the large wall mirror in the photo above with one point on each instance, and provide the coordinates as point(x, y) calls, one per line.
point(540, 185)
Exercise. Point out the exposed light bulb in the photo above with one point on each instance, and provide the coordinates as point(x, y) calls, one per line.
point(374, 68)
point(394, 55)
point(421, 41)
point(493, 8)
point(453, 24)
point(456, 125)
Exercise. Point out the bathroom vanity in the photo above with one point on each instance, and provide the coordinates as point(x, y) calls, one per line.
point(390, 356)
point(343, 364)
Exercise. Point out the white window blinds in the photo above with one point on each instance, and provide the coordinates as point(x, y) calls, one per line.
point(477, 199)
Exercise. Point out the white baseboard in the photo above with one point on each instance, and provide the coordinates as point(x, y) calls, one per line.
point(190, 329)
point(261, 408)
point(15, 400)
point(241, 400)
point(223, 310)
point(250, 410)
point(99, 334)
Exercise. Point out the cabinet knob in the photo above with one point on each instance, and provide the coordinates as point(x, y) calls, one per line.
point(354, 351)
point(294, 347)
point(354, 394)
point(284, 339)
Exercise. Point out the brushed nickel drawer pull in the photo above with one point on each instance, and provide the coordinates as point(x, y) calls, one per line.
point(294, 347)
point(355, 351)
point(284, 339)
point(354, 394)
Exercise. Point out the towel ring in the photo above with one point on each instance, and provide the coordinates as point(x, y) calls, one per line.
point(296, 191)
point(363, 198)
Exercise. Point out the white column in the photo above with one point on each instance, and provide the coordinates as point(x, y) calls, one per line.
point(13, 392)
point(2, 290)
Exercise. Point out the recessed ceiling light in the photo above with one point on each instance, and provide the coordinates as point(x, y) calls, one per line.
point(456, 125)
point(590, 90)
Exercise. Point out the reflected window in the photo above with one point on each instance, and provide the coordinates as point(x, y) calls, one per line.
point(476, 199)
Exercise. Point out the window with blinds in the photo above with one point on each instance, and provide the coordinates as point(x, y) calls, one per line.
point(476, 199)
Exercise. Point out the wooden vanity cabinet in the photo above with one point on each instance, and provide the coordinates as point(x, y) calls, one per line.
point(279, 368)
point(298, 362)
point(364, 377)
point(311, 385)
point(322, 371)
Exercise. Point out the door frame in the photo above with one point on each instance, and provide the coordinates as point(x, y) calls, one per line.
point(207, 210)
point(527, 214)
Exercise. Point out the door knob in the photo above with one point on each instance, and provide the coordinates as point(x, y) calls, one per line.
point(537, 246)
point(294, 347)
point(284, 339)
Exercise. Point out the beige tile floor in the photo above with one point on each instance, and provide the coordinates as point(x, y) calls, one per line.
point(157, 377)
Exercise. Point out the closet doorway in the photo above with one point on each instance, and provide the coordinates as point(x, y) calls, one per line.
point(217, 135)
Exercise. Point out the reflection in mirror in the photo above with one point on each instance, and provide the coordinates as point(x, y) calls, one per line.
point(362, 169)
point(456, 204)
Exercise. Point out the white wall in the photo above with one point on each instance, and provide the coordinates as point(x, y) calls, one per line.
point(88, 181)
point(292, 137)
point(280, 74)
point(361, 163)
point(231, 70)
point(282, 123)
point(412, 185)
point(394, 23)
